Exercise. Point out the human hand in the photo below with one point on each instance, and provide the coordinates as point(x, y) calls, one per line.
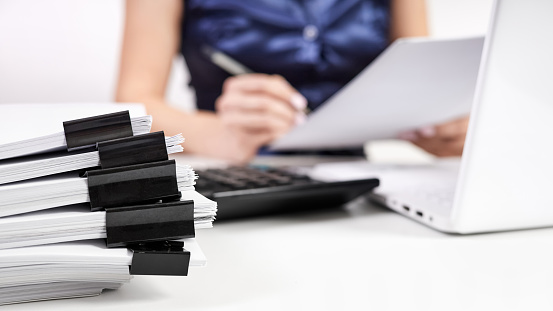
point(443, 140)
point(208, 136)
point(259, 104)
point(235, 145)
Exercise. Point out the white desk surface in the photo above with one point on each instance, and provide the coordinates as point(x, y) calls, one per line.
point(362, 257)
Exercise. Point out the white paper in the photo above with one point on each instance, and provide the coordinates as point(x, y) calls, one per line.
point(93, 252)
point(74, 223)
point(414, 83)
point(24, 121)
point(57, 290)
point(48, 164)
point(60, 190)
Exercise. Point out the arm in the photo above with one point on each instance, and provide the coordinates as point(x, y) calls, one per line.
point(408, 19)
point(151, 40)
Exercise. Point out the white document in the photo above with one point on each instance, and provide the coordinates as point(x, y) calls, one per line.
point(93, 252)
point(49, 271)
point(59, 190)
point(68, 270)
point(37, 128)
point(23, 121)
point(48, 164)
point(75, 223)
point(49, 291)
point(414, 83)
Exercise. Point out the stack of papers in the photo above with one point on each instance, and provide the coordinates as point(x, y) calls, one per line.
point(27, 121)
point(40, 194)
point(49, 165)
point(53, 246)
point(69, 270)
point(57, 141)
point(74, 223)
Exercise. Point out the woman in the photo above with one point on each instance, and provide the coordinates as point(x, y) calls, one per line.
point(303, 51)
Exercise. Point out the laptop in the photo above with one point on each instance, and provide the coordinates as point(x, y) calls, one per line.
point(503, 181)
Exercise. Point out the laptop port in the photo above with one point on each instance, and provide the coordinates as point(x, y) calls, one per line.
point(406, 208)
point(419, 213)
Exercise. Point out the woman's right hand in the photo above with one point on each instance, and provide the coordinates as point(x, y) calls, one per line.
point(208, 135)
point(234, 145)
point(253, 110)
point(260, 108)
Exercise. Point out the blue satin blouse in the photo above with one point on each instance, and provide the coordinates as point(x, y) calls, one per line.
point(317, 45)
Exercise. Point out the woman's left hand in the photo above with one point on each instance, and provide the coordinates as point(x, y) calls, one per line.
point(443, 140)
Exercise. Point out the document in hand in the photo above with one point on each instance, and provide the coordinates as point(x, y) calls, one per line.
point(413, 83)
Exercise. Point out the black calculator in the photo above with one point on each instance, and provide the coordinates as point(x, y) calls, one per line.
point(246, 191)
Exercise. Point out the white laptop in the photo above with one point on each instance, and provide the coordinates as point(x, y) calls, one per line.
point(503, 181)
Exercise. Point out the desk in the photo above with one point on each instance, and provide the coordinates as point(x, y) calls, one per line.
point(362, 257)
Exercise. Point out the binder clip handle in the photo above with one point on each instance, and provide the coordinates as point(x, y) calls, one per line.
point(133, 150)
point(145, 223)
point(160, 258)
point(86, 132)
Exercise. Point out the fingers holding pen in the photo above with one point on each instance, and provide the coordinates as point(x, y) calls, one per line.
point(256, 105)
point(259, 102)
point(271, 85)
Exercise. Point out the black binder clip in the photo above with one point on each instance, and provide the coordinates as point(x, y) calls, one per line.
point(133, 184)
point(160, 258)
point(145, 223)
point(132, 150)
point(87, 132)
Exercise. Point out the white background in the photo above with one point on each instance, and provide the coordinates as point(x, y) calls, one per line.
point(68, 50)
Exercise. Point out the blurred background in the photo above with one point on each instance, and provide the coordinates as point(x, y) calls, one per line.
point(68, 50)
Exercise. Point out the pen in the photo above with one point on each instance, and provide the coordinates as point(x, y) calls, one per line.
point(225, 62)
point(230, 65)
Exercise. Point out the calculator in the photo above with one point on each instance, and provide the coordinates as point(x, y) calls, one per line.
point(246, 191)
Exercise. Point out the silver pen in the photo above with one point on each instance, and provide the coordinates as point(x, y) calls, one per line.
point(225, 62)
point(235, 68)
